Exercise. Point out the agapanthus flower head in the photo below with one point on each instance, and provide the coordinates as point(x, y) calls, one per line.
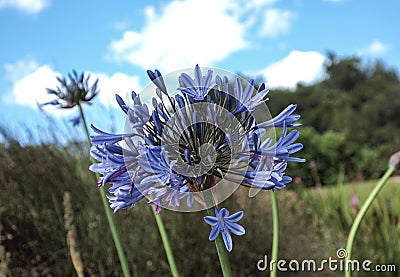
point(72, 91)
point(213, 133)
point(208, 128)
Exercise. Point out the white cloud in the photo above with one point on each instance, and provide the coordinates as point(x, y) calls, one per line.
point(298, 66)
point(277, 22)
point(29, 85)
point(30, 82)
point(20, 69)
point(262, 2)
point(184, 33)
point(118, 83)
point(28, 6)
point(375, 48)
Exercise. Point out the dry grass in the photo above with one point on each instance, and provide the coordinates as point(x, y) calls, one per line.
point(72, 235)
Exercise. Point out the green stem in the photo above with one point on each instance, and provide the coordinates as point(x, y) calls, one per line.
point(361, 214)
point(275, 238)
point(85, 125)
point(111, 223)
point(221, 250)
point(167, 247)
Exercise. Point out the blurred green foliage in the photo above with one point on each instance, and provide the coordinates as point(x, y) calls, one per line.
point(350, 119)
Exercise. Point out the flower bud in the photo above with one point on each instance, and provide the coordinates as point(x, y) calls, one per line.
point(394, 160)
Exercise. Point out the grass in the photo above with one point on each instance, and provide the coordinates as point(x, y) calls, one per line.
point(377, 239)
point(314, 224)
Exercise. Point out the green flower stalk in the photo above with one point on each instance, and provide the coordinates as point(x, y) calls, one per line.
point(275, 236)
point(164, 237)
point(393, 163)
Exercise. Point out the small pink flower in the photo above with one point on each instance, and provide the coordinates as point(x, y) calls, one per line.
point(354, 203)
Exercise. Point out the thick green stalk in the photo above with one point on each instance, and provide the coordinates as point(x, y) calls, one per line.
point(275, 238)
point(111, 223)
point(167, 247)
point(361, 214)
point(221, 250)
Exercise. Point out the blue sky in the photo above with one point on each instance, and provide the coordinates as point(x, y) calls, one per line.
point(117, 41)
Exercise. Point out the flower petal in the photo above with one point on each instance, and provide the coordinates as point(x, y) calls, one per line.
point(214, 232)
point(235, 228)
point(227, 240)
point(235, 217)
point(222, 213)
point(211, 220)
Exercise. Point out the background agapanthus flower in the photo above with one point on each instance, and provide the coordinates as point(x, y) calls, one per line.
point(193, 140)
point(73, 91)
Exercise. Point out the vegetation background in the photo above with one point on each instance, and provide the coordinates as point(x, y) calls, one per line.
point(351, 126)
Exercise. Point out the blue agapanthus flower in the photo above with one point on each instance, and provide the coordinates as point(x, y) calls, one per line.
point(206, 131)
point(225, 224)
point(72, 91)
